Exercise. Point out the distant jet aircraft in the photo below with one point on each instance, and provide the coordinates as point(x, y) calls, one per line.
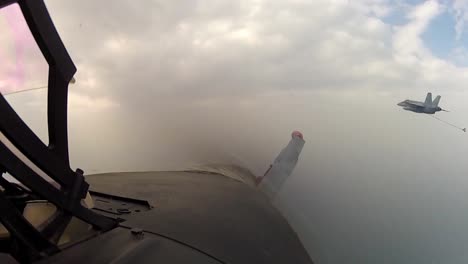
point(426, 107)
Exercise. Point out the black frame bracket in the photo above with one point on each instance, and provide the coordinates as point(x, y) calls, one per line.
point(53, 159)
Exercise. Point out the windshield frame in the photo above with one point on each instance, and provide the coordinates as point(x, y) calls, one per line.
point(20, 147)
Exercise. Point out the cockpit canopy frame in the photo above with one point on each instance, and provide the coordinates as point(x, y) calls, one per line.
point(24, 156)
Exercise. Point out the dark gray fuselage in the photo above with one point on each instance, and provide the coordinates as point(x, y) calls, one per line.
point(198, 217)
point(419, 107)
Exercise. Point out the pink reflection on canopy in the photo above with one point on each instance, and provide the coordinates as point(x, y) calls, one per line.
point(14, 30)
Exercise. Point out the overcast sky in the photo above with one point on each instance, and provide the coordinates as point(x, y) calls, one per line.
point(169, 84)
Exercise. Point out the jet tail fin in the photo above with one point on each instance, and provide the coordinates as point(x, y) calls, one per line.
point(436, 101)
point(428, 99)
point(282, 167)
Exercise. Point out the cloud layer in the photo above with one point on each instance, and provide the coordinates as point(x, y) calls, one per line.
point(220, 48)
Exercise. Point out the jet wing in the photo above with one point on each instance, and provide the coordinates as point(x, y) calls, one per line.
point(282, 167)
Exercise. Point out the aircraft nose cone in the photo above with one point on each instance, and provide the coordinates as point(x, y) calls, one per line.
point(297, 134)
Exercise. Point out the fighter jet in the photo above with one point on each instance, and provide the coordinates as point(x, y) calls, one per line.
point(426, 107)
point(56, 214)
